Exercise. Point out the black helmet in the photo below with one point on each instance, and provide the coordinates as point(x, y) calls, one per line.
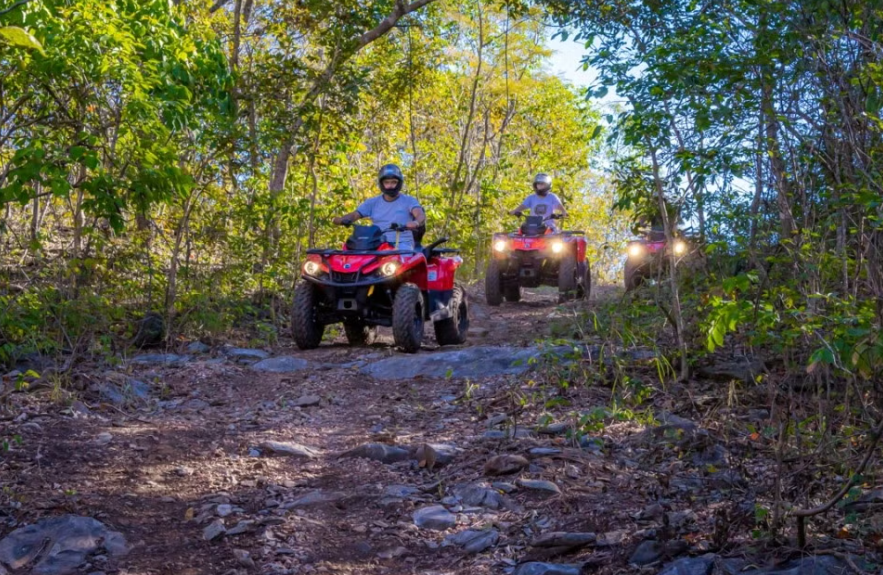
point(391, 171)
point(542, 184)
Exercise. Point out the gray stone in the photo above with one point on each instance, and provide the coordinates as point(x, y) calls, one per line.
point(540, 485)
point(283, 364)
point(59, 545)
point(652, 551)
point(245, 353)
point(313, 498)
point(479, 361)
point(213, 530)
point(130, 392)
point(672, 421)
point(544, 451)
point(224, 509)
point(554, 429)
point(509, 433)
point(818, 565)
point(198, 347)
point(400, 491)
point(504, 487)
point(241, 527)
point(308, 401)
point(434, 517)
point(740, 369)
point(379, 452)
point(562, 539)
point(290, 449)
point(690, 566)
point(480, 494)
point(161, 359)
point(473, 540)
point(535, 568)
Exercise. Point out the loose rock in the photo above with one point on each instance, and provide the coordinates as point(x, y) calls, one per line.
point(213, 530)
point(308, 401)
point(539, 485)
point(562, 539)
point(434, 517)
point(535, 568)
point(474, 541)
point(379, 452)
point(283, 364)
point(59, 545)
point(505, 464)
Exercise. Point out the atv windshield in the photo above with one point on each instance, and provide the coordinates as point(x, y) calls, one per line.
point(533, 226)
point(365, 238)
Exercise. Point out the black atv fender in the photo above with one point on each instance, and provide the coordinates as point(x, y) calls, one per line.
point(439, 304)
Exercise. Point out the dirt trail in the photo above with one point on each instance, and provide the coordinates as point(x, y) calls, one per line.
point(193, 457)
point(163, 464)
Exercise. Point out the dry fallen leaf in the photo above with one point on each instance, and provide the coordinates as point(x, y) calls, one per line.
point(189, 514)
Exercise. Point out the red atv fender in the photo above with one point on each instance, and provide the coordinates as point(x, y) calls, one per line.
point(439, 288)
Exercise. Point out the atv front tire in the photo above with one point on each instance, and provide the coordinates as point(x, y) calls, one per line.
point(407, 318)
point(567, 272)
point(358, 333)
point(493, 283)
point(452, 331)
point(633, 277)
point(305, 327)
point(585, 288)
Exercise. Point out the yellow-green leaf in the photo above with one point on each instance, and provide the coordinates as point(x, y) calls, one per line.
point(20, 38)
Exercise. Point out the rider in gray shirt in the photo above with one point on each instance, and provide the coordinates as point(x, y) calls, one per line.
point(391, 207)
point(543, 202)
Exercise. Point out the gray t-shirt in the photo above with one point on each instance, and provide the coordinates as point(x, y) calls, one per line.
point(383, 214)
point(544, 206)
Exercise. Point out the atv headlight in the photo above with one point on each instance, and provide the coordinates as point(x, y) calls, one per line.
point(389, 268)
point(680, 247)
point(311, 268)
point(501, 245)
point(557, 247)
point(635, 250)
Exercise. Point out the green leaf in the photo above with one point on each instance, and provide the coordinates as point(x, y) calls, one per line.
point(20, 38)
point(596, 132)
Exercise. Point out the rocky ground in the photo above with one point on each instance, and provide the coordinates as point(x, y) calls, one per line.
point(366, 461)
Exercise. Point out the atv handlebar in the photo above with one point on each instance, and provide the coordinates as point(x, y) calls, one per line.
point(552, 217)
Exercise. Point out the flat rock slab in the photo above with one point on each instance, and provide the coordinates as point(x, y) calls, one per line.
point(289, 449)
point(540, 485)
point(282, 364)
point(479, 361)
point(245, 353)
point(59, 545)
point(536, 568)
point(313, 498)
point(161, 359)
point(480, 494)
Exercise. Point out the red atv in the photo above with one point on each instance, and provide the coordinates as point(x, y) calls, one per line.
point(370, 283)
point(647, 258)
point(536, 255)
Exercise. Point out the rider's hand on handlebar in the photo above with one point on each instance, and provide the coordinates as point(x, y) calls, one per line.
point(412, 225)
point(557, 216)
point(340, 221)
point(517, 213)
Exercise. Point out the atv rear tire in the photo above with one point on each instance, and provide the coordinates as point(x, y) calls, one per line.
point(567, 272)
point(358, 333)
point(407, 318)
point(305, 327)
point(493, 283)
point(512, 293)
point(452, 331)
point(633, 277)
point(585, 289)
